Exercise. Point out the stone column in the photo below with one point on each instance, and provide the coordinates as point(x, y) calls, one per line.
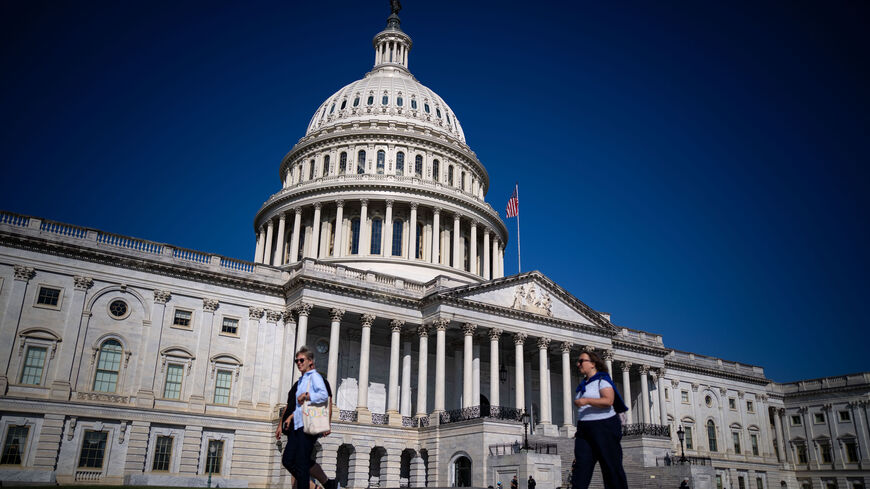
point(278, 259)
point(663, 404)
point(61, 387)
point(472, 252)
point(494, 335)
point(362, 402)
point(393, 392)
point(457, 241)
point(780, 442)
point(422, 370)
point(264, 366)
point(405, 401)
point(412, 233)
point(339, 229)
point(608, 360)
point(501, 259)
point(388, 230)
point(440, 358)
point(519, 363)
point(486, 273)
point(626, 391)
point(252, 334)
point(294, 244)
point(436, 235)
point(335, 315)
point(544, 380)
point(495, 257)
point(302, 311)
point(313, 244)
point(475, 375)
point(644, 392)
point(567, 393)
point(365, 245)
point(468, 330)
point(261, 245)
point(267, 254)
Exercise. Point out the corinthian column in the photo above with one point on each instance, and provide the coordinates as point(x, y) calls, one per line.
point(335, 316)
point(440, 359)
point(303, 311)
point(494, 335)
point(339, 228)
point(467, 379)
point(412, 234)
point(457, 240)
point(644, 392)
point(436, 235)
point(313, 244)
point(486, 274)
point(362, 402)
point(261, 245)
point(422, 370)
point(365, 245)
point(388, 230)
point(278, 259)
point(267, 257)
point(472, 253)
point(495, 273)
point(626, 390)
point(405, 400)
point(294, 239)
point(519, 363)
point(393, 393)
point(663, 404)
point(567, 393)
point(544, 380)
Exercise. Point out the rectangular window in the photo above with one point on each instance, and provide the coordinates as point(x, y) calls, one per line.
point(684, 397)
point(172, 387)
point(759, 483)
point(825, 451)
point(108, 366)
point(667, 394)
point(732, 403)
point(796, 420)
point(222, 386)
point(48, 296)
point(182, 318)
point(753, 438)
point(741, 482)
point(162, 454)
point(690, 445)
point(851, 452)
point(750, 406)
point(93, 449)
point(230, 326)
point(14, 446)
point(802, 454)
point(718, 481)
point(736, 437)
point(34, 362)
point(214, 455)
point(377, 224)
point(844, 416)
point(818, 418)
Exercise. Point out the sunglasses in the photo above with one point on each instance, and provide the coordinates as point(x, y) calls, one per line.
point(299, 360)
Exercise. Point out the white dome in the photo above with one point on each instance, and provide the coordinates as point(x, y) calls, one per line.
point(407, 100)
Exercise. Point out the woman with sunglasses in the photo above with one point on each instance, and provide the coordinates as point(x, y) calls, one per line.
point(599, 429)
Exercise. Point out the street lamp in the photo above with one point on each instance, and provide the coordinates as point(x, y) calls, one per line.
point(211, 451)
point(502, 374)
point(682, 435)
point(526, 420)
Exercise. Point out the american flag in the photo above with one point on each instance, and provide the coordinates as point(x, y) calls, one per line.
point(513, 205)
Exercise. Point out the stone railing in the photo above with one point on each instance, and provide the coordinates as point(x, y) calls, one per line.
point(88, 475)
point(310, 267)
point(378, 418)
point(703, 361)
point(645, 429)
point(517, 447)
point(674, 459)
point(478, 412)
point(410, 422)
point(347, 415)
point(14, 219)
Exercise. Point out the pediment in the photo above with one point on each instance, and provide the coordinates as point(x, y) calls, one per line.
point(532, 293)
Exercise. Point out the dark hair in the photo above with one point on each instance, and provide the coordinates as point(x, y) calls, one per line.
point(305, 351)
point(599, 363)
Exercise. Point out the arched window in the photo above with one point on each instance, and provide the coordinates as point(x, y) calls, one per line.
point(436, 170)
point(331, 238)
point(342, 163)
point(413, 104)
point(361, 162)
point(399, 101)
point(450, 175)
point(466, 252)
point(426, 107)
point(332, 109)
point(711, 436)
point(108, 366)
point(371, 100)
point(462, 180)
point(343, 104)
point(325, 166)
point(377, 226)
point(418, 166)
point(356, 101)
point(418, 246)
point(462, 472)
point(311, 170)
point(385, 99)
point(354, 236)
point(400, 163)
point(382, 156)
point(398, 225)
point(438, 112)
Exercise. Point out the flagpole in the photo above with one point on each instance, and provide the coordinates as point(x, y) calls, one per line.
point(519, 259)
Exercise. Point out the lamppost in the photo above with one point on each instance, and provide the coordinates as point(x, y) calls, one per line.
point(682, 435)
point(526, 419)
point(211, 451)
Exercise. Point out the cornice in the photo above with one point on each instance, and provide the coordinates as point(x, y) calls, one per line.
point(694, 368)
point(827, 391)
point(302, 282)
point(624, 345)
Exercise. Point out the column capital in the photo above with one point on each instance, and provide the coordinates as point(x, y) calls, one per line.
point(675, 383)
point(297, 211)
point(475, 223)
point(436, 211)
point(626, 366)
point(519, 338)
point(440, 324)
point(288, 314)
point(339, 203)
point(456, 216)
point(24, 273)
point(468, 329)
point(270, 223)
point(304, 308)
point(273, 315)
point(367, 319)
point(83, 283)
point(661, 371)
point(282, 216)
point(543, 343)
point(396, 325)
point(160, 296)
point(389, 203)
point(318, 205)
point(654, 374)
point(209, 304)
point(364, 202)
point(494, 334)
point(423, 330)
point(255, 312)
point(335, 314)
point(414, 205)
point(643, 369)
point(608, 355)
point(723, 391)
point(695, 386)
point(587, 348)
point(565, 347)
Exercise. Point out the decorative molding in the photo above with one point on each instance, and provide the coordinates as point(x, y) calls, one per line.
point(494, 334)
point(255, 312)
point(304, 308)
point(24, 273)
point(396, 325)
point(82, 283)
point(520, 338)
point(566, 347)
point(210, 305)
point(162, 296)
point(423, 331)
point(440, 324)
point(367, 319)
point(468, 329)
point(273, 316)
point(543, 343)
point(335, 314)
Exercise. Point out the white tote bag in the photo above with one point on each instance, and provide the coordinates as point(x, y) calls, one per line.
point(315, 417)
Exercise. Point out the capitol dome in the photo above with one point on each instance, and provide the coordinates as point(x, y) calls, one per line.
point(383, 180)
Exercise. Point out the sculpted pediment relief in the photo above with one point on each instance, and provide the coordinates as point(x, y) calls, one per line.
point(532, 300)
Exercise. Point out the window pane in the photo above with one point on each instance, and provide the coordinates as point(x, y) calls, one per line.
point(214, 455)
point(377, 224)
point(371, 100)
point(48, 296)
point(399, 101)
point(385, 100)
point(354, 236)
point(356, 102)
point(736, 438)
point(413, 104)
point(93, 449)
point(397, 238)
point(400, 163)
point(162, 453)
point(172, 388)
point(711, 436)
point(418, 166)
point(418, 246)
point(381, 159)
point(108, 366)
point(182, 318)
point(754, 440)
point(342, 163)
point(34, 362)
point(222, 386)
point(15, 444)
point(325, 169)
point(361, 162)
point(436, 170)
point(689, 444)
point(230, 326)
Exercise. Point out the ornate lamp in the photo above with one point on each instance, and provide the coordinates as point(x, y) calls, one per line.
point(502, 374)
point(682, 436)
point(526, 420)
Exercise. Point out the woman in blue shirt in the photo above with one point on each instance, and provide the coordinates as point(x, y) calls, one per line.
point(309, 387)
point(599, 429)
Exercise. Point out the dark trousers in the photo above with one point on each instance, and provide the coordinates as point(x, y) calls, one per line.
point(297, 457)
point(598, 442)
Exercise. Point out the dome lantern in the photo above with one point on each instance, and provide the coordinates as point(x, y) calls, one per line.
point(392, 45)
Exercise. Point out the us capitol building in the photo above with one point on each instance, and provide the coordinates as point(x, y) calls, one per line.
point(136, 362)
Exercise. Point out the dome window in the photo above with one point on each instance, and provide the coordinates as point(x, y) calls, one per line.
point(354, 236)
point(332, 109)
point(325, 169)
point(436, 174)
point(377, 226)
point(385, 100)
point(361, 162)
point(426, 108)
point(381, 157)
point(413, 104)
point(400, 163)
point(371, 100)
point(398, 227)
point(343, 104)
point(356, 101)
point(342, 163)
point(399, 101)
point(438, 112)
point(462, 180)
point(418, 166)
point(311, 169)
point(450, 175)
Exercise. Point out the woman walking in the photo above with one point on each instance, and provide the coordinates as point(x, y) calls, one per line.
point(599, 429)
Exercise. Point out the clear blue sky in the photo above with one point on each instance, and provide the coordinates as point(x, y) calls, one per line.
point(697, 169)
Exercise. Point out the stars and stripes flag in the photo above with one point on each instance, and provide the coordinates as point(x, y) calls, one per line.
point(513, 205)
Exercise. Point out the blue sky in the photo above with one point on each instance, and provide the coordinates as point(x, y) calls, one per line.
point(697, 169)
